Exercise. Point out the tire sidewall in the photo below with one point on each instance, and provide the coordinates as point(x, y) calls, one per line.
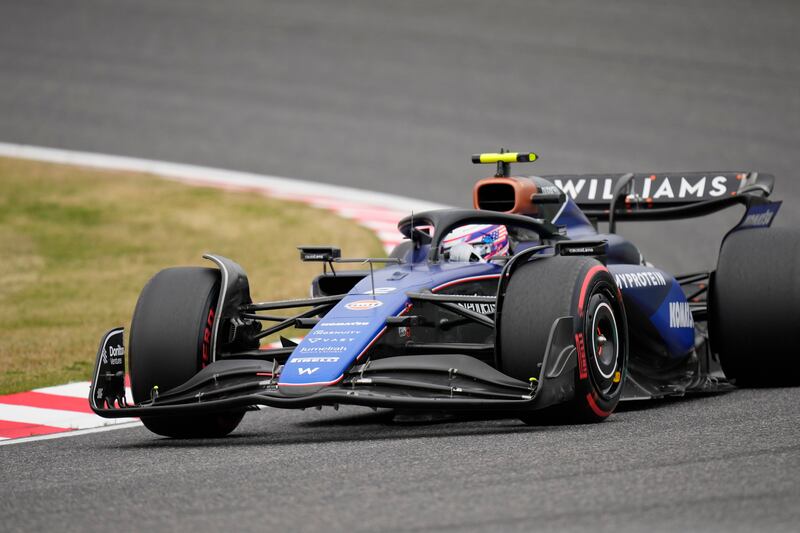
point(171, 330)
point(171, 340)
point(590, 396)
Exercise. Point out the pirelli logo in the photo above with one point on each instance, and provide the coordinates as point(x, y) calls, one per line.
point(583, 371)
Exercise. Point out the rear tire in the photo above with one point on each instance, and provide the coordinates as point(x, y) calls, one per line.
point(753, 307)
point(169, 343)
point(539, 293)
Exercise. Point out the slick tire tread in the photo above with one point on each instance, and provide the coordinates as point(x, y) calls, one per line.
point(166, 346)
point(754, 306)
point(526, 323)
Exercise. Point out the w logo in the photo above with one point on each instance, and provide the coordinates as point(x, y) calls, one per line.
point(307, 371)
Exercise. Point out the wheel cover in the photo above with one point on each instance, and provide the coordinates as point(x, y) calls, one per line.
point(604, 350)
point(604, 341)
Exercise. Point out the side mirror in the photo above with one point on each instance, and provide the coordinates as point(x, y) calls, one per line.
point(322, 254)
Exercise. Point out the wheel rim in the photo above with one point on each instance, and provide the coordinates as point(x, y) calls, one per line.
point(605, 341)
point(604, 350)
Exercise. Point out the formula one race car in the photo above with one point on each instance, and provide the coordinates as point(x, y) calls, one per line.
point(520, 306)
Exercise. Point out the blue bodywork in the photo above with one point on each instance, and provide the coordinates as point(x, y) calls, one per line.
point(346, 332)
point(441, 328)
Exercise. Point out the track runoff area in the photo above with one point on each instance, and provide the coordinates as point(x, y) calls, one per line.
point(63, 410)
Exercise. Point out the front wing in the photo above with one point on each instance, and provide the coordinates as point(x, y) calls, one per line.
point(440, 382)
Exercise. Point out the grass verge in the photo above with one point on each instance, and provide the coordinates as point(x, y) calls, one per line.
point(78, 244)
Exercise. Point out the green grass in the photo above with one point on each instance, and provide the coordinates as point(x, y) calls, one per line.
point(77, 245)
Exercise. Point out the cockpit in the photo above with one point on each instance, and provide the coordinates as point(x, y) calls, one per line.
point(475, 243)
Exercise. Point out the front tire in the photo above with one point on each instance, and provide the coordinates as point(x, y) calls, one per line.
point(753, 307)
point(539, 293)
point(170, 342)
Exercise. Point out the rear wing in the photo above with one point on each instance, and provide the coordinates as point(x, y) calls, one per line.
point(661, 196)
point(613, 197)
point(596, 191)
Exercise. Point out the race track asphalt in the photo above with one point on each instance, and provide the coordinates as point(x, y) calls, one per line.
point(394, 97)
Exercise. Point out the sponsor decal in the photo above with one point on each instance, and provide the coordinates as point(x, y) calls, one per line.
point(680, 315)
point(326, 339)
point(645, 278)
point(363, 305)
point(347, 324)
point(307, 371)
point(758, 220)
point(381, 290)
point(336, 332)
point(581, 249)
point(115, 355)
point(548, 189)
point(655, 186)
point(760, 216)
point(112, 354)
point(301, 360)
point(477, 307)
point(322, 349)
point(484, 309)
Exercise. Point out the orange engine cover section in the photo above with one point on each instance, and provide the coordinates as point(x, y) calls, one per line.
point(507, 195)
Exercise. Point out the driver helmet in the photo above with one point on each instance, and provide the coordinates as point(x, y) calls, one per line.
point(475, 242)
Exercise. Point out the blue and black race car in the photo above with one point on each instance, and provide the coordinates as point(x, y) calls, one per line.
point(520, 305)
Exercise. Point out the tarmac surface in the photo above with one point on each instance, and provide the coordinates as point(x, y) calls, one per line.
point(394, 97)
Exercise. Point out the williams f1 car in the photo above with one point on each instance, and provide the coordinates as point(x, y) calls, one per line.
point(520, 305)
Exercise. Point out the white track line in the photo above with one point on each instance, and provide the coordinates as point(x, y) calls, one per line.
point(286, 187)
point(376, 211)
point(74, 390)
point(79, 389)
